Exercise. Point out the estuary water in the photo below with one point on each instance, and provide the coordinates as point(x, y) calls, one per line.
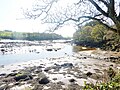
point(26, 52)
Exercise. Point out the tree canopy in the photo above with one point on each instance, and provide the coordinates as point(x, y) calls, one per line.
point(58, 12)
point(29, 36)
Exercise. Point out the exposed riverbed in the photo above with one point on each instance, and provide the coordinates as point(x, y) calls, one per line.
point(54, 66)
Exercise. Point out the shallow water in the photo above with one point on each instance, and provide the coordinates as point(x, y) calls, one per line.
point(26, 53)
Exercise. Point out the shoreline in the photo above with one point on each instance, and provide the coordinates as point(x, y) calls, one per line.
point(70, 71)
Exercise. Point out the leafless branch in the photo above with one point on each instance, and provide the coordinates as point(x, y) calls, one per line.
point(105, 3)
point(98, 8)
point(76, 12)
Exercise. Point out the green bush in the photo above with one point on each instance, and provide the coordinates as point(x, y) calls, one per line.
point(112, 84)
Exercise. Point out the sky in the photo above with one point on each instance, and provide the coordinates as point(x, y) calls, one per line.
point(11, 18)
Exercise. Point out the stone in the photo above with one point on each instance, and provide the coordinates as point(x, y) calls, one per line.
point(46, 69)
point(111, 65)
point(1, 66)
point(37, 71)
point(44, 81)
point(3, 74)
point(49, 49)
point(54, 78)
point(12, 74)
point(3, 87)
point(14, 71)
point(72, 80)
point(23, 77)
point(66, 65)
point(88, 74)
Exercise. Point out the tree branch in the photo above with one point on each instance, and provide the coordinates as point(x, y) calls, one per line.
point(105, 3)
point(111, 9)
point(89, 17)
point(98, 8)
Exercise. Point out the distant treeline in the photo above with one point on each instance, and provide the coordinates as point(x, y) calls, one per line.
point(6, 34)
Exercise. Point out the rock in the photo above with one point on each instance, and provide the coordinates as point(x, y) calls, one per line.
point(37, 52)
point(46, 69)
point(84, 57)
point(18, 83)
point(3, 74)
point(66, 65)
point(96, 76)
point(14, 71)
point(23, 77)
point(49, 49)
point(111, 65)
point(111, 73)
point(40, 67)
point(74, 86)
point(1, 66)
point(41, 75)
point(88, 74)
point(3, 87)
point(61, 83)
point(12, 74)
point(56, 64)
point(97, 71)
point(44, 81)
point(54, 78)
point(72, 80)
point(3, 51)
point(37, 71)
point(8, 80)
point(55, 50)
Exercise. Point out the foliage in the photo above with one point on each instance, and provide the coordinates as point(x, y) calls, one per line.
point(90, 34)
point(83, 35)
point(113, 84)
point(94, 34)
point(5, 34)
point(29, 36)
point(98, 33)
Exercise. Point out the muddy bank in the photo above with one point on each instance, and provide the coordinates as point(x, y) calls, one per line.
point(63, 73)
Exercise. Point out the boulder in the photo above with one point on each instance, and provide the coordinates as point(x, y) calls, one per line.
point(44, 81)
point(72, 80)
point(49, 49)
point(12, 74)
point(88, 74)
point(23, 77)
point(66, 65)
point(3, 74)
point(46, 69)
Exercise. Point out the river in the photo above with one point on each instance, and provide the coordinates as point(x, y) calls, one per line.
point(64, 65)
point(21, 53)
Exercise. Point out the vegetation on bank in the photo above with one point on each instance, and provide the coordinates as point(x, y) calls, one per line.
point(111, 82)
point(6, 34)
point(94, 34)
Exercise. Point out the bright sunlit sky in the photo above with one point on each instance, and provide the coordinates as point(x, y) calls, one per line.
point(11, 18)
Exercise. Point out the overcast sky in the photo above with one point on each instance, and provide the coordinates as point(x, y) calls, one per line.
point(11, 18)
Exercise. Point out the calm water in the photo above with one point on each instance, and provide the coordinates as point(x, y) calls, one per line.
point(26, 53)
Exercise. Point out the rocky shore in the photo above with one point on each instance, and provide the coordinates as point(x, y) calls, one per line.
point(64, 73)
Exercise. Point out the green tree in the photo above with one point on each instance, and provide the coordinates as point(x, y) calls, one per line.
point(83, 36)
point(98, 33)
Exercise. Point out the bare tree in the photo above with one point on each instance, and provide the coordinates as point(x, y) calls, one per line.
point(58, 12)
